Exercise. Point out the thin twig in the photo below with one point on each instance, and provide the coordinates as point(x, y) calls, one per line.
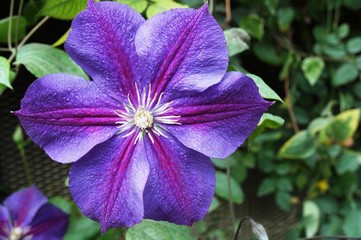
point(11, 12)
point(28, 36)
point(290, 105)
point(231, 208)
point(17, 23)
point(5, 50)
point(211, 6)
point(228, 12)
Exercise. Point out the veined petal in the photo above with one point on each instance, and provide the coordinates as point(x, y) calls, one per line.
point(181, 182)
point(182, 50)
point(49, 223)
point(218, 120)
point(102, 42)
point(107, 184)
point(4, 222)
point(24, 204)
point(67, 116)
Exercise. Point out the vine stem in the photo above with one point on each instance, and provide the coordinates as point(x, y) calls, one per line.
point(28, 36)
point(240, 226)
point(17, 23)
point(290, 105)
point(231, 207)
point(10, 26)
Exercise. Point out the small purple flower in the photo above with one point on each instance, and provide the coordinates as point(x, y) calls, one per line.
point(160, 104)
point(26, 215)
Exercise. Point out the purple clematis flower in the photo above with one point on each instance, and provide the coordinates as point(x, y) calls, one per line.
point(160, 104)
point(26, 215)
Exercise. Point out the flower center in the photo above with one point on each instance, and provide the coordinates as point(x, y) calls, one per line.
point(16, 233)
point(143, 119)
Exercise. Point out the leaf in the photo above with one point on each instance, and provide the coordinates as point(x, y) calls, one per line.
point(301, 146)
point(222, 188)
point(62, 9)
point(81, 228)
point(346, 73)
point(4, 28)
point(351, 224)
point(254, 25)
point(353, 5)
point(214, 204)
point(271, 121)
point(265, 91)
point(349, 161)
point(42, 59)
point(5, 72)
point(354, 45)
point(61, 203)
point(344, 125)
point(343, 30)
point(311, 213)
point(312, 68)
point(285, 17)
point(267, 186)
point(160, 6)
point(137, 5)
point(62, 39)
point(31, 10)
point(283, 200)
point(157, 230)
point(267, 53)
point(237, 40)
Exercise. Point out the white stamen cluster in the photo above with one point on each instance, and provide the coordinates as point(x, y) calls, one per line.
point(145, 116)
point(17, 233)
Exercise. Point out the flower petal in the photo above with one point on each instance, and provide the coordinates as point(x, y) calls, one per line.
point(49, 223)
point(24, 204)
point(4, 222)
point(107, 184)
point(181, 182)
point(218, 120)
point(102, 42)
point(67, 116)
point(182, 50)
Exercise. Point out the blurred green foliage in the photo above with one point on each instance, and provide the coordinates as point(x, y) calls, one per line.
point(307, 148)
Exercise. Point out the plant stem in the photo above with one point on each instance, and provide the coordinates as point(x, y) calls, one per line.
point(240, 226)
point(28, 36)
point(10, 24)
point(228, 12)
point(290, 105)
point(231, 208)
point(17, 23)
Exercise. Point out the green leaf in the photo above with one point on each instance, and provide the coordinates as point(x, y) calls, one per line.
point(62, 39)
point(267, 53)
point(312, 68)
point(137, 5)
point(265, 91)
point(354, 45)
point(343, 30)
point(285, 17)
point(283, 200)
point(353, 5)
point(160, 6)
point(81, 228)
point(222, 188)
point(271, 121)
point(5, 72)
point(271, 6)
point(346, 73)
point(157, 230)
point(31, 10)
point(311, 212)
point(62, 9)
point(267, 186)
point(351, 225)
point(61, 203)
point(42, 59)
point(214, 204)
point(254, 25)
point(349, 161)
point(4, 28)
point(237, 40)
point(302, 145)
point(344, 125)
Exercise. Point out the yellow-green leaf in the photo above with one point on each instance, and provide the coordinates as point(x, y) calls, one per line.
point(301, 146)
point(162, 5)
point(5, 72)
point(62, 9)
point(62, 39)
point(137, 5)
point(344, 125)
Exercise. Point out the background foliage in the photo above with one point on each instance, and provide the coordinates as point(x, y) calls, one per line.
point(306, 150)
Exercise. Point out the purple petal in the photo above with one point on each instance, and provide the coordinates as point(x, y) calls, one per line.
point(102, 42)
point(182, 50)
point(181, 182)
point(67, 116)
point(107, 184)
point(218, 120)
point(24, 204)
point(49, 223)
point(4, 222)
